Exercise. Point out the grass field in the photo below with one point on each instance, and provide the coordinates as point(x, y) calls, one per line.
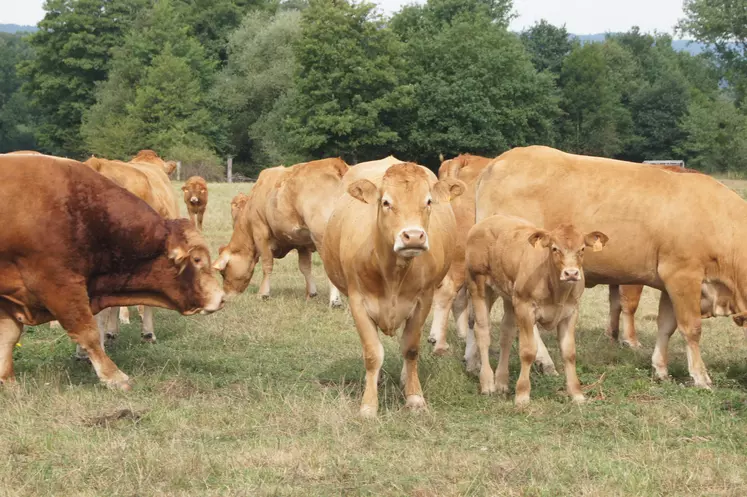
point(262, 399)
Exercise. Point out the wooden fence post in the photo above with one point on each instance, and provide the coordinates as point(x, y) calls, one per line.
point(178, 170)
point(229, 172)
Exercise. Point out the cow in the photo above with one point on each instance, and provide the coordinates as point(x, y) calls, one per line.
point(539, 276)
point(144, 176)
point(196, 198)
point(677, 231)
point(81, 244)
point(23, 152)
point(152, 158)
point(451, 294)
point(388, 243)
point(287, 209)
point(238, 203)
point(624, 299)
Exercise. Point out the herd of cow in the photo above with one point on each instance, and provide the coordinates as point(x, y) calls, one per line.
point(534, 226)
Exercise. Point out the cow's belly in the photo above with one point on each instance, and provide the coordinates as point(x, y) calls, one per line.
point(548, 316)
point(389, 312)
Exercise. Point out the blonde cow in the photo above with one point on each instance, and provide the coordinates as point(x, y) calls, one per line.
point(196, 198)
point(388, 243)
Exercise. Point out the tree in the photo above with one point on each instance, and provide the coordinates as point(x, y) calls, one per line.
point(72, 53)
point(548, 46)
point(474, 87)
point(258, 75)
point(155, 94)
point(347, 83)
point(722, 25)
point(15, 114)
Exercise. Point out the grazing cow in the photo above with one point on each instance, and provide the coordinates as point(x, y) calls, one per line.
point(387, 245)
point(144, 176)
point(451, 294)
point(238, 203)
point(287, 209)
point(196, 198)
point(540, 277)
point(81, 244)
point(659, 242)
point(624, 299)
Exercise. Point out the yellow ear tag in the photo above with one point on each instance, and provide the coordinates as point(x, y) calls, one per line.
point(597, 246)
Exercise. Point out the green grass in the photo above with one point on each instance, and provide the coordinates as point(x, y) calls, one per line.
point(262, 399)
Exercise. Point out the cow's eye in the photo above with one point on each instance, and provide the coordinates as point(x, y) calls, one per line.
point(386, 204)
point(428, 202)
point(555, 249)
point(197, 260)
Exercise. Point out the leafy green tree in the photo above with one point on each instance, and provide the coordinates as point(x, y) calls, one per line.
point(155, 96)
point(716, 136)
point(347, 85)
point(16, 118)
point(474, 86)
point(72, 52)
point(259, 73)
point(548, 46)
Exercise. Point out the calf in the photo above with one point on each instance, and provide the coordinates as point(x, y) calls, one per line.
point(539, 275)
point(196, 197)
point(388, 243)
point(83, 244)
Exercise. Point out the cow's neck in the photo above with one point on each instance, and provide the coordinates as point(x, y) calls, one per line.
point(393, 268)
point(242, 241)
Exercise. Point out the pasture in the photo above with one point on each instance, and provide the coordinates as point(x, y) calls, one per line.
point(262, 399)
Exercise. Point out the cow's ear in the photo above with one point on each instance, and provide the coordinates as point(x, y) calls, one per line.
point(448, 189)
point(740, 319)
point(541, 237)
point(365, 191)
point(223, 258)
point(596, 240)
point(178, 256)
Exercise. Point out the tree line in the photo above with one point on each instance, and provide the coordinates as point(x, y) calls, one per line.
point(277, 82)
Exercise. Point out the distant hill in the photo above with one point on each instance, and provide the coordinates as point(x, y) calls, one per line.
point(16, 28)
point(680, 45)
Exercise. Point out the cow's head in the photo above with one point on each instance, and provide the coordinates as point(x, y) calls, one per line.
point(238, 203)
point(404, 201)
point(192, 285)
point(566, 246)
point(195, 191)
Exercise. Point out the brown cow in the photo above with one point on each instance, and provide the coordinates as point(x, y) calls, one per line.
point(287, 209)
point(387, 245)
point(540, 277)
point(661, 241)
point(238, 203)
point(625, 298)
point(451, 294)
point(83, 244)
point(196, 199)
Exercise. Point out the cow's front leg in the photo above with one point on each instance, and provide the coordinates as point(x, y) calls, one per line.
point(304, 265)
point(10, 332)
point(482, 300)
point(267, 263)
point(525, 320)
point(410, 346)
point(373, 355)
point(124, 315)
point(200, 215)
point(567, 341)
point(103, 322)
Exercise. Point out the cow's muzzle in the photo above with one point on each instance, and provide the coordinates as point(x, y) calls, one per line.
point(570, 274)
point(411, 242)
point(194, 200)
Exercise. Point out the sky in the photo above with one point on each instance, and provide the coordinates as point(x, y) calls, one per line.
point(579, 16)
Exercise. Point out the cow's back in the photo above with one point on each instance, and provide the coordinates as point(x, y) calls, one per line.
point(649, 214)
point(164, 200)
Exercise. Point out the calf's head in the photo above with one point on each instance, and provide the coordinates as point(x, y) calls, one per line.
point(566, 246)
point(195, 191)
point(192, 286)
point(404, 202)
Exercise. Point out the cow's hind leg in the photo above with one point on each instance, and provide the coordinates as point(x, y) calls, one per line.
point(613, 328)
point(304, 265)
point(567, 342)
point(410, 346)
point(630, 297)
point(335, 299)
point(666, 324)
point(124, 315)
point(685, 296)
point(443, 299)
point(10, 332)
point(460, 309)
point(543, 361)
point(148, 331)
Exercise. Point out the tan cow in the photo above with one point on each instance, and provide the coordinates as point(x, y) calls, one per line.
point(539, 276)
point(451, 294)
point(152, 158)
point(287, 209)
point(81, 245)
point(677, 231)
point(238, 203)
point(144, 176)
point(388, 243)
point(196, 198)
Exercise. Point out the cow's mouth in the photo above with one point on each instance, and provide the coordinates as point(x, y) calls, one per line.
point(411, 252)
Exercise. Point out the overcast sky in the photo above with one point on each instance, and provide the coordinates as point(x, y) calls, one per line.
point(579, 16)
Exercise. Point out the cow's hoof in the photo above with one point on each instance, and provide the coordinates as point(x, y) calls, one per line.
point(336, 304)
point(81, 358)
point(149, 337)
point(578, 399)
point(521, 400)
point(546, 369)
point(368, 412)
point(8, 382)
point(501, 388)
point(473, 366)
point(264, 298)
point(633, 345)
point(119, 381)
point(432, 339)
point(312, 295)
point(415, 403)
point(441, 350)
point(110, 337)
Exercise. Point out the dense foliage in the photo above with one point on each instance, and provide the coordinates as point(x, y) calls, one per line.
point(271, 82)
